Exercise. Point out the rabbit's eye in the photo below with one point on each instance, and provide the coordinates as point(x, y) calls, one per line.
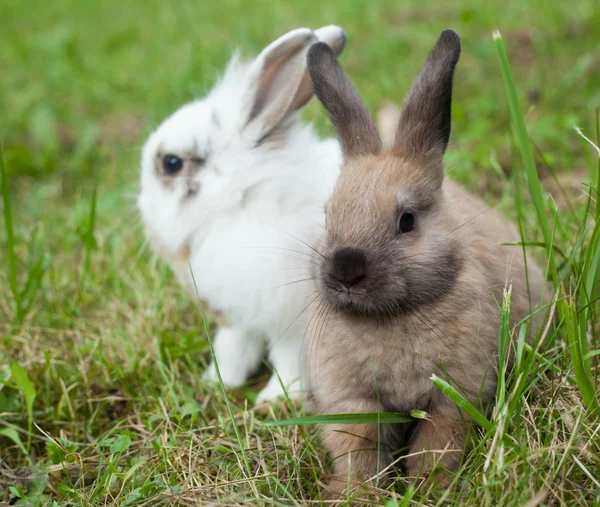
point(406, 222)
point(172, 164)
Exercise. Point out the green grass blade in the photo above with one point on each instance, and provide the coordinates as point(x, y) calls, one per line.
point(596, 147)
point(89, 239)
point(367, 418)
point(541, 244)
point(23, 382)
point(548, 364)
point(583, 373)
point(592, 267)
point(214, 357)
point(12, 434)
point(10, 239)
point(37, 269)
point(378, 422)
point(597, 182)
point(522, 138)
point(588, 291)
point(572, 259)
point(521, 341)
point(504, 345)
point(462, 403)
point(591, 354)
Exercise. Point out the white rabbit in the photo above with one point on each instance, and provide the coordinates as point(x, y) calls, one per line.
point(235, 184)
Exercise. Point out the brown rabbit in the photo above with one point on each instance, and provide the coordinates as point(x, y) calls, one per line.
point(410, 280)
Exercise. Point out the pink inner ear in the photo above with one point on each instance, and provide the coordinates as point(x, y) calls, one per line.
point(281, 74)
point(304, 93)
point(270, 80)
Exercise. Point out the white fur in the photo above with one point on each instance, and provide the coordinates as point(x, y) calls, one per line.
point(249, 226)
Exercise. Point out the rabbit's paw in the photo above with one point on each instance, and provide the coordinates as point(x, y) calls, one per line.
point(230, 376)
point(238, 356)
point(275, 390)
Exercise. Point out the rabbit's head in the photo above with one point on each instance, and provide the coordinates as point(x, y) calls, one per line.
point(206, 156)
point(389, 245)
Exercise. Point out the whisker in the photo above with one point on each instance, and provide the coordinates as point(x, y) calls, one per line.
point(490, 208)
point(287, 284)
point(417, 336)
point(446, 318)
point(321, 332)
point(291, 323)
point(300, 240)
point(313, 339)
point(307, 254)
point(452, 351)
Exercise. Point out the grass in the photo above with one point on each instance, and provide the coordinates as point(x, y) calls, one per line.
point(101, 355)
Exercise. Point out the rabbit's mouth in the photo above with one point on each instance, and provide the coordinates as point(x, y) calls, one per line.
point(355, 301)
point(345, 295)
point(368, 304)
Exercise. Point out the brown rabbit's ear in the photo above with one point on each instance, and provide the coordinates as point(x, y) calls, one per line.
point(424, 127)
point(353, 123)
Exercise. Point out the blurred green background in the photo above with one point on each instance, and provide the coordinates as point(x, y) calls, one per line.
point(83, 82)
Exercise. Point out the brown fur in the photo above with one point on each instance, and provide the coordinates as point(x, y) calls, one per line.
point(355, 127)
point(428, 302)
point(359, 445)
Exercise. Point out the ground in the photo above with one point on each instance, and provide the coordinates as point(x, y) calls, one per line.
point(101, 354)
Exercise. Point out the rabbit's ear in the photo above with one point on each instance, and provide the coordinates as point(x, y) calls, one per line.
point(353, 123)
point(280, 83)
point(424, 126)
point(335, 38)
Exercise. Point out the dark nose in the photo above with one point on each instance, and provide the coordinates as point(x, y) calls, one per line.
point(349, 266)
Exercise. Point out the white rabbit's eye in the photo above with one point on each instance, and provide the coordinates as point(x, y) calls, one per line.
point(406, 222)
point(172, 164)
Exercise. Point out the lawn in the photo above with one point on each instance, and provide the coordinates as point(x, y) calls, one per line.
point(101, 353)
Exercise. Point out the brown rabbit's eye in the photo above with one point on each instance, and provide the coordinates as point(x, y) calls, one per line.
point(172, 164)
point(406, 223)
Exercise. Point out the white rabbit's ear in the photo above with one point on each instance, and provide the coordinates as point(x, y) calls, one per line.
point(333, 36)
point(282, 85)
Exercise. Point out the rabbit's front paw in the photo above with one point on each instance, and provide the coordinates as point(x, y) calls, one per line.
point(231, 377)
point(238, 355)
point(275, 390)
point(270, 393)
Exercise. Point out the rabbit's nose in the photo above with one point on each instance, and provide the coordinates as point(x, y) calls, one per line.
point(349, 266)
